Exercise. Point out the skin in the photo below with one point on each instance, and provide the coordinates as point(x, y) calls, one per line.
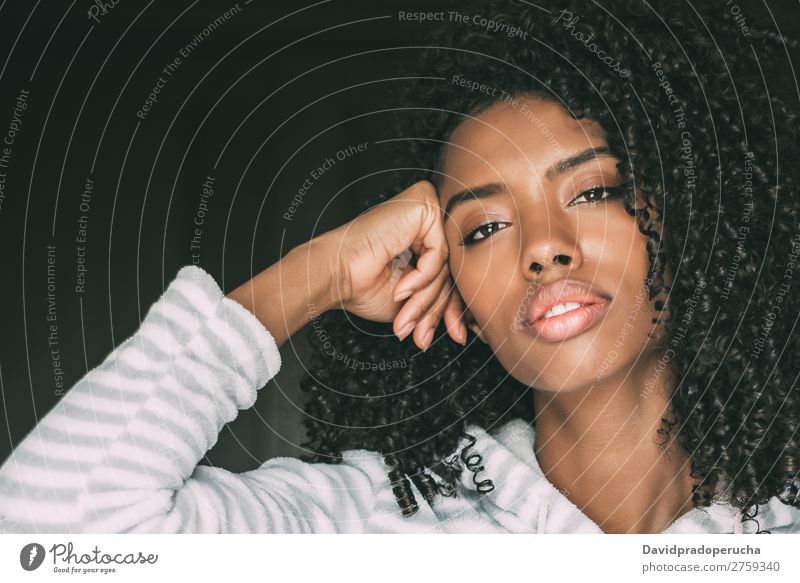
point(351, 268)
point(596, 426)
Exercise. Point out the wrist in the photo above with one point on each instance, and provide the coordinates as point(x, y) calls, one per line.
point(322, 276)
point(285, 296)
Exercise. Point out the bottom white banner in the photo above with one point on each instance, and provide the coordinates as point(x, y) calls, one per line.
point(400, 558)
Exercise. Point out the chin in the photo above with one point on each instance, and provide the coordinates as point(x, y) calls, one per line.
point(574, 384)
point(560, 367)
point(555, 376)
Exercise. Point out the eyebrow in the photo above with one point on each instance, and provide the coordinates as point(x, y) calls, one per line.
point(556, 169)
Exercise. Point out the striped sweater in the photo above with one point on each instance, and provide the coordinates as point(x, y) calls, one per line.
point(119, 453)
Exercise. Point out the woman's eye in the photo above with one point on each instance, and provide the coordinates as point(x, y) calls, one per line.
point(597, 194)
point(485, 230)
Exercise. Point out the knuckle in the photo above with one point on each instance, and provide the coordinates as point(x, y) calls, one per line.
point(433, 316)
point(422, 190)
point(419, 304)
point(443, 302)
point(425, 189)
point(414, 306)
point(434, 308)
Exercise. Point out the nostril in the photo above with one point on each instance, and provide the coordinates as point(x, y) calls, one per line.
point(562, 259)
point(537, 267)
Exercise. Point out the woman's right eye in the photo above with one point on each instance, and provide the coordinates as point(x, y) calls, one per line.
point(486, 229)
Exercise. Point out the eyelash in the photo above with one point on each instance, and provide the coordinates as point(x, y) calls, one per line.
point(613, 192)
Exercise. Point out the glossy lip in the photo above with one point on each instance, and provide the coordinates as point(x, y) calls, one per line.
point(568, 324)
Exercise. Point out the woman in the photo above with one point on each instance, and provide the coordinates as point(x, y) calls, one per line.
point(601, 208)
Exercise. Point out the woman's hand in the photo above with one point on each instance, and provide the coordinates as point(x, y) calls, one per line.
point(372, 285)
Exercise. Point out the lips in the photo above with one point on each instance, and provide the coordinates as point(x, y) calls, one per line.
point(550, 319)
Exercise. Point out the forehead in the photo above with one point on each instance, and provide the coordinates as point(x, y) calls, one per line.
point(521, 138)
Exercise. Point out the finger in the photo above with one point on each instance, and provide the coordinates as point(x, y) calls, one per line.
point(454, 317)
point(429, 265)
point(423, 334)
point(449, 306)
point(400, 266)
point(432, 256)
point(416, 305)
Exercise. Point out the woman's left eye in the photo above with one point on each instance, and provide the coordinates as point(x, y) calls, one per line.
point(596, 194)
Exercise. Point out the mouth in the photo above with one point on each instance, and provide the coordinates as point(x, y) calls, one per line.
point(565, 325)
point(565, 309)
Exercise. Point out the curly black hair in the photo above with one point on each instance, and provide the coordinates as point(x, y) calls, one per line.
point(690, 96)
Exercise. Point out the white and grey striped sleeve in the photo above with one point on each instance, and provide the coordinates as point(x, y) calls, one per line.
point(119, 452)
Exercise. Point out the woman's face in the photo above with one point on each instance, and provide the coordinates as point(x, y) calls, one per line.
point(542, 191)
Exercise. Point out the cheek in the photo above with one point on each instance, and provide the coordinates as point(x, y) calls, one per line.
point(639, 261)
point(630, 262)
point(477, 277)
point(620, 246)
point(467, 276)
point(619, 250)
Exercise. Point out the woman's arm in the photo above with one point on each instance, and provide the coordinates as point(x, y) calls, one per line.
point(119, 452)
point(287, 295)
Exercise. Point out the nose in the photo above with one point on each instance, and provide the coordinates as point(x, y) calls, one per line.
point(550, 243)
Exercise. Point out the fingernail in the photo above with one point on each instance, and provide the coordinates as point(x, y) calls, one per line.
point(463, 332)
point(406, 330)
point(426, 340)
point(402, 295)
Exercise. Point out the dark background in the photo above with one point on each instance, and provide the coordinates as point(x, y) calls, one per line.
point(259, 103)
